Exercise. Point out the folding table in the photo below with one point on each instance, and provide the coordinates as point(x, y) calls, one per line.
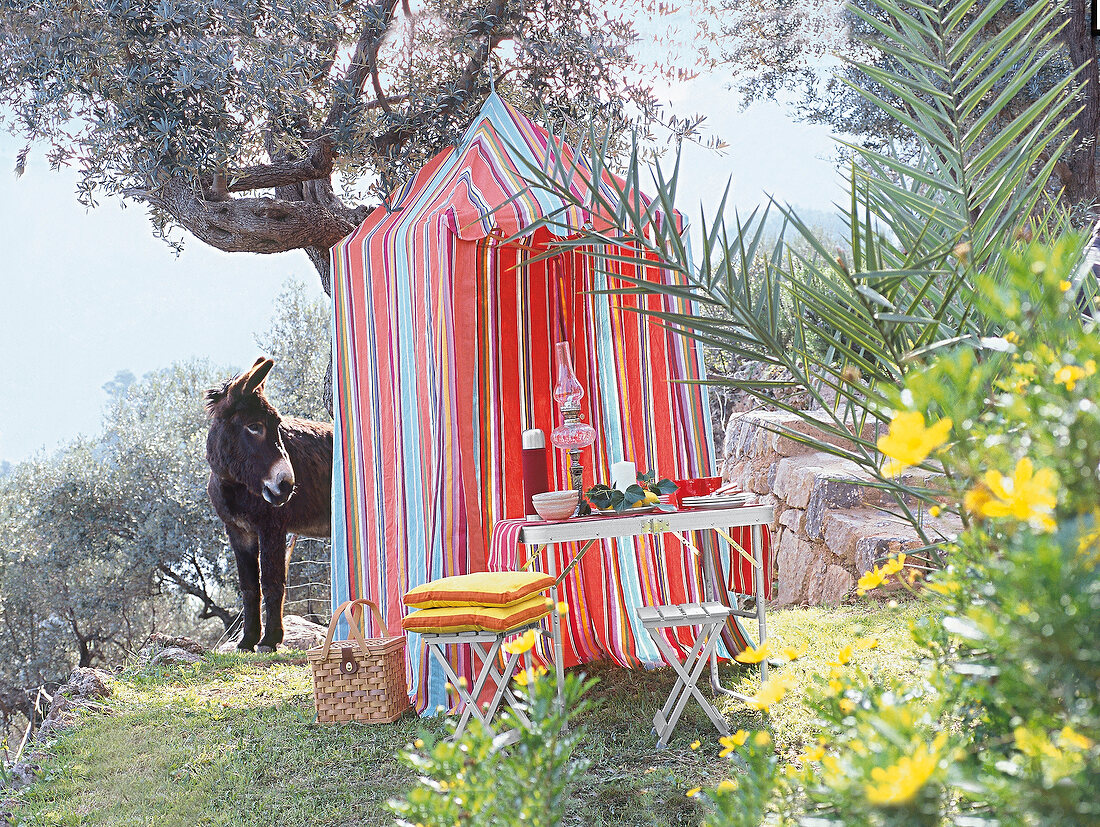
point(540, 535)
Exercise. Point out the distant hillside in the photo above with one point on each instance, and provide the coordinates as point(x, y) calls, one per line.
point(827, 224)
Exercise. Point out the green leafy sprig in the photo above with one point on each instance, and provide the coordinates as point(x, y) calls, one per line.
point(604, 497)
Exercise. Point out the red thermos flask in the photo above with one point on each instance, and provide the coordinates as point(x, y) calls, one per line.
point(535, 478)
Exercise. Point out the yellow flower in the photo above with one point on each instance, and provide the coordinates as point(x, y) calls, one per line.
point(867, 642)
point(976, 498)
point(727, 786)
point(899, 782)
point(761, 738)
point(935, 511)
point(1064, 285)
point(894, 565)
point(835, 686)
point(1034, 744)
point(942, 588)
point(1027, 495)
point(814, 753)
point(731, 742)
point(871, 580)
point(1012, 337)
point(770, 692)
point(846, 705)
point(1088, 544)
point(1071, 737)
point(696, 744)
point(842, 656)
point(1069, 375)
point(521, 644)
point(694, 791)
point(909, 442)
point(529, 676)
point(794, 653)
point(753, 655)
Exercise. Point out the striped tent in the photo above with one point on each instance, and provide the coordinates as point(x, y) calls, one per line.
point(443, 341)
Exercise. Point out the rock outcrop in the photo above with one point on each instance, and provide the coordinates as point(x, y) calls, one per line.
point(84, 690)
point(829, 526)
point(298, 633)
point(167, 649)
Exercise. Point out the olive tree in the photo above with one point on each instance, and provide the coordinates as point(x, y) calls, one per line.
point(267, 127)
point(821, 59)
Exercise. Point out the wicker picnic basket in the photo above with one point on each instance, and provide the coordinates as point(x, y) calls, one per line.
point(362, 679)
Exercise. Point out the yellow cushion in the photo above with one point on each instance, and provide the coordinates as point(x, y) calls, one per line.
point(471, 618)
point(484, 588)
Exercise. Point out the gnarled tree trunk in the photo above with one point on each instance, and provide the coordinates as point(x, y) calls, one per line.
point(1078, 174)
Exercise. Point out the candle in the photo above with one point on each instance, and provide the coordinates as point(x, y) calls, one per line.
point(623, 475)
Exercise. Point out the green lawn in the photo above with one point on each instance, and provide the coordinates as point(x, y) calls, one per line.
point(231, 741)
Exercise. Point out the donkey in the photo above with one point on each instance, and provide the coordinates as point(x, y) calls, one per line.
point(269, 475)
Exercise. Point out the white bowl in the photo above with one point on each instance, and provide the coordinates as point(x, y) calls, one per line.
point(550, 496)
point(555, 505)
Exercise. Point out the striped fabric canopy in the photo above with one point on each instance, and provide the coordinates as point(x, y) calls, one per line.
point(443, 342)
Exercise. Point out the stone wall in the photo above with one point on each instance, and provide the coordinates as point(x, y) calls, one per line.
point(827, 531)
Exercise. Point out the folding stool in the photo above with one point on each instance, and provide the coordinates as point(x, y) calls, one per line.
point(709, 617)
point(486, 644)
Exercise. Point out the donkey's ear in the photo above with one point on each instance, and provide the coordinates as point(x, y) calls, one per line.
point(256, 376)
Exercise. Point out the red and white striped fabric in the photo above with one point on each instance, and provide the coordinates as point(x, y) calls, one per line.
point(443, 342)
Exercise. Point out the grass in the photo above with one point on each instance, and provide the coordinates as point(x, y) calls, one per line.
point(230, 741)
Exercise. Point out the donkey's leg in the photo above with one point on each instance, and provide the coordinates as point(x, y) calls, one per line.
point(273, 565)
point(246, 548)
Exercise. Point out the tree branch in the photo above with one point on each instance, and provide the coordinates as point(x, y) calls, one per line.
point(254, 225)
point(445, 105)
point(376, 22)
point(316, 163)
point(210, 608)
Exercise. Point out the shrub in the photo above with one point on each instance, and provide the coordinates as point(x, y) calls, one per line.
point(479, 780)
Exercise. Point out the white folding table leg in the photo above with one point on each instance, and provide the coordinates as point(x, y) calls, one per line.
point(758, 590)
point(555, 626)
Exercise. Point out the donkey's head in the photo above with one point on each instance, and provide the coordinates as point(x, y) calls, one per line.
point(244, 444)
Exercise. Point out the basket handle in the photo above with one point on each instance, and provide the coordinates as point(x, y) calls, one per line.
point(348, 609)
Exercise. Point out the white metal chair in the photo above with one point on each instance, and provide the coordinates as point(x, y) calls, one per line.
point(709, 617)
point(487, 645)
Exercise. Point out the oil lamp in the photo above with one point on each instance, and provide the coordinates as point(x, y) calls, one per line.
point(572, 435)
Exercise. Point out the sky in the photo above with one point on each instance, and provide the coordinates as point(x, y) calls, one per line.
point(85, 294)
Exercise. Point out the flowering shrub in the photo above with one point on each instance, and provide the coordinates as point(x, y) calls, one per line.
point(1003, 727)
point(478, 779)
point(1002, 724)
